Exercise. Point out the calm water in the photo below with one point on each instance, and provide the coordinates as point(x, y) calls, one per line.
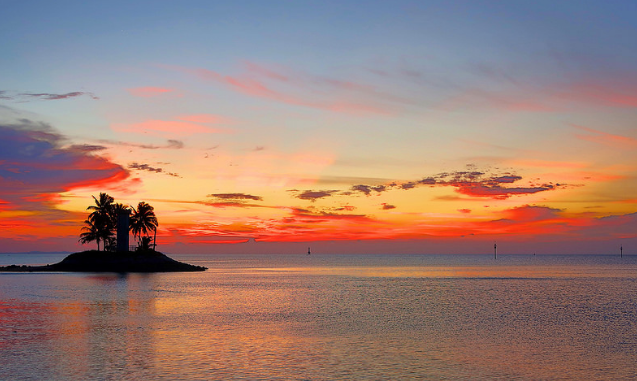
point(324, 317)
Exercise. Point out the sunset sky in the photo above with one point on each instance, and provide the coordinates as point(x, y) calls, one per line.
point(347, 126)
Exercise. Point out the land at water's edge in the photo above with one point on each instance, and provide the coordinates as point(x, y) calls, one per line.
point(149, 261)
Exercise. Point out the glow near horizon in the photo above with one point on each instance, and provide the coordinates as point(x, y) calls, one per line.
point(410, 120)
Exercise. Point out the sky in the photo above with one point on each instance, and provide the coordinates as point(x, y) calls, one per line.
point(346, 126)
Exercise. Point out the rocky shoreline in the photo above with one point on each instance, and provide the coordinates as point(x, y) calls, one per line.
point(149, 261)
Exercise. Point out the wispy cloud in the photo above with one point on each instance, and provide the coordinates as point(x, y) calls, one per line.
point(297, 88)
point(367, 189)
point(169, 128)
point(147, 92)
point(526, 95)
point(325, 216)
point(618, 93)
point(601, 137)
point(235, 196)
point(170, 144)
point(472, 183)
point(87, 148)
point(148, 168)
point(230, 204)
point(44, 96)
point(312, 195)
point(233, 200)
point(205, 119)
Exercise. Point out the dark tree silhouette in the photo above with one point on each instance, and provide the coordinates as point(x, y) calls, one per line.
point(101, 224)
point(145, 243)
point(143, 221)
point(101, 219)
point(89, 234)
point(115, 211)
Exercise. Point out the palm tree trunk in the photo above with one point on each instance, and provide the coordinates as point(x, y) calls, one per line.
point(155, 240)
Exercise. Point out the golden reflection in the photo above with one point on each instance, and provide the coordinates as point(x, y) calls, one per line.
point(476, 271)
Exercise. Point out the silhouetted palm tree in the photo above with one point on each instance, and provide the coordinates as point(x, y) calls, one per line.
point(116, 210)
point(143, 221)
point(100, 216)
point(90, 234)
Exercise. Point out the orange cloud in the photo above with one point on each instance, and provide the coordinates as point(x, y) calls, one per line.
point(585, 176)
point(146, 92)
point(34, 163)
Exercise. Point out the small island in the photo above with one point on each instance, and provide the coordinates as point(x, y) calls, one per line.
point(117, 262)
point(110, 224)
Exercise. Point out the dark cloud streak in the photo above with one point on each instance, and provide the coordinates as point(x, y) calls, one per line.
point(473, 183)
point(315, 195)
point(235, 196)
point(45, 96)
point(170, 144)
point(367, 189)
point(148, 168)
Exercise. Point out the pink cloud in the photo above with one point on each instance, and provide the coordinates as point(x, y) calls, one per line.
point(602, 137)
point(476, 98)
point(524, 221)
point(529, 213)
point(617, 94)
point(298, 89)
point(526, 96)
point(146, 92)
point(35, 167)
point(169, 127)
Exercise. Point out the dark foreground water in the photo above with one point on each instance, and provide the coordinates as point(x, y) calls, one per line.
point(325, 317)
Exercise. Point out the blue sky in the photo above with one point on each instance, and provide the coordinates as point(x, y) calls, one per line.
point(380, 110)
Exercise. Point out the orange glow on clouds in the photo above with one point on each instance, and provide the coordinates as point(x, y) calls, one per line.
point(213, 184)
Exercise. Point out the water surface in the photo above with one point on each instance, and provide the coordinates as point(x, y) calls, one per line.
point(323, 317)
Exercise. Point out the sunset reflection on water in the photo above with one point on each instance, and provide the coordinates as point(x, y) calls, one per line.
point(354, 318)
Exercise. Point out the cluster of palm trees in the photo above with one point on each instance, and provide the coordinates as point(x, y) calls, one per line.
point(101, 224)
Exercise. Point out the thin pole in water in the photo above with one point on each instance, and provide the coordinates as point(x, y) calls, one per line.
point(495, 250)
point(621, 252)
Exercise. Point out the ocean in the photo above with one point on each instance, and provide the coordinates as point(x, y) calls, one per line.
point(325, 317)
